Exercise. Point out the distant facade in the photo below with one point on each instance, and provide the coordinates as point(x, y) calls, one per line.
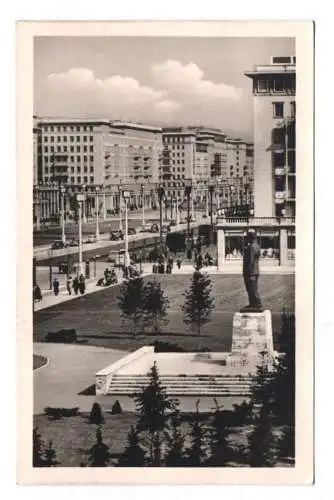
point(202, 155)
point(274, 90)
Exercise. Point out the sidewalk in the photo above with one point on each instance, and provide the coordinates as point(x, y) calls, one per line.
point(235, 268)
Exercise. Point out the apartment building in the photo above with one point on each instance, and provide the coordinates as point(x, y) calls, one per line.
point(274, 90)
point(98, 152)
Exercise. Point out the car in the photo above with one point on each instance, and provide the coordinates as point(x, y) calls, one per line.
point(58, 244)
point(146, 228)
point(132, 230)
point(90, 239)
point(154, 228)
point(165, 228)
point(116, 235)
point(73, 243)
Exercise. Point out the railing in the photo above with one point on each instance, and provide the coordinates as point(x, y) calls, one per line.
point(272, 68)
point(255, 221)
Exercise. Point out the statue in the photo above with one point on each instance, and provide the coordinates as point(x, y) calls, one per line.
point(251, 272)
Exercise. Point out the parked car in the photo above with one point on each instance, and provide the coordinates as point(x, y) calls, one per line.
point(73, 243)
point(132, 230)
point(116, 235)
point(90, 239)
point(58, 244)
point(165, 228)
point(146, 228)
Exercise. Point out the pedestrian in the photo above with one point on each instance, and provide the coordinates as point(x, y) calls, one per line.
point(82, 284)
point(37, 294)
point(55, 285)
point(178, 263)
point(76, 285)
point(69, 284)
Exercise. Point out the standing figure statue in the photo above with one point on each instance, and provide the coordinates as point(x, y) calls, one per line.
point(251, 272)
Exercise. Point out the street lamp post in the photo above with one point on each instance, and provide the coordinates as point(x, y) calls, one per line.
point(97, 229)
point(166, 216)
point(188, 191)
point(171, 208)
point(62, 215)
point(120, 211)
point(126, 196)
point(211, 188)
point(177, 216)
point(161, 193)
point(143, 204)
point(80, 201)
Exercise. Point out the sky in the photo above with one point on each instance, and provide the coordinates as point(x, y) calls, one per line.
point(162, 81)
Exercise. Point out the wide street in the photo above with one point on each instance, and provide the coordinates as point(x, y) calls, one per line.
point(97, 320)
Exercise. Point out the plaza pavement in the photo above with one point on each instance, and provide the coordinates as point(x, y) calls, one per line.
point(69, 370)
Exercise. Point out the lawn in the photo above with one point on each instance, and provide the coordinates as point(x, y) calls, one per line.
point(97, 320)
point(73, 436)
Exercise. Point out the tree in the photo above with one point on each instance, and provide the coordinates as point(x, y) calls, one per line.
point(134, 454)
point(198, 301)
point(195, 453)
point(155, 306)
point(95, 416)
point(50, 456)
point(152, 405)
point(175, 456)
point(261, 441)
point(38, 447)
point(131, 301)
point(99, 455)
point(219, 449)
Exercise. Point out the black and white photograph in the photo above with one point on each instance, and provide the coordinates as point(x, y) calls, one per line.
point(165, 228)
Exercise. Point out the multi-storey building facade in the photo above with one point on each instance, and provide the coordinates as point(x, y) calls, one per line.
point(93, 153)
point(274, 89)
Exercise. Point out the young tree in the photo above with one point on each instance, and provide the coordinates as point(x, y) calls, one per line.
point(38, 447)
point(198, 301)
point(219, 449)
point(131, 301)
point(134, 454)
point(95, 416)
point(175, 455)
point(99, 455)
point(195, 453)
point(261, 442)
point(50, 456)
point(152, 405)
point(156, 305)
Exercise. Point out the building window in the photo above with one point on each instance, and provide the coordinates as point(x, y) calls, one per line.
point(58, 149)
point(78, 179)
point(85, 169)
point(85, 179)
point(78, 169)
point(52, 149)
point(71, 138)
point(278, 109)
point(65, 149)
point(91, 158)
point(52, 139)
point(91, 149)
point(85, 149)
point(78, 158)
point(91, 170)
point(46, 149)
point(278, 84)
point(262, 86)
point(72, 169)
point(46, 159)
point(293, 109)
point(65, 138)
point(91, 138)
point(72, 158)
point(72, 180)
point(92, 179)
point(72, 149)
point(78, 129)
point(85, 138)
point(46, 138)
point(85, 158)
point(78, 149)
point(78, 138)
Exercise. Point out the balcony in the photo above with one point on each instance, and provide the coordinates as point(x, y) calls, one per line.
point(256, 222)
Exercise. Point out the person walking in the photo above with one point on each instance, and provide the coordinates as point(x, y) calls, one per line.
point(82, 284)
point(76, 285)
point(178, 263)
point(69, 284)
point(55, 285)
point(37, 294)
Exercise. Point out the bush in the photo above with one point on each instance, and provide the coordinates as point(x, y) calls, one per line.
point(96, 416)
point(58, 413)
point(116, 408)
point(68, 336)
point(161, 346)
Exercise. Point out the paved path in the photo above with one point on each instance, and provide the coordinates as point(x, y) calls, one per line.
point(70, 370)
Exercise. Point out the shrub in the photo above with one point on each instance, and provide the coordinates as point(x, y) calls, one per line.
point(116, 408)
point(96, 416)
point(161, 346)
point(58, 413)
point(64, 336)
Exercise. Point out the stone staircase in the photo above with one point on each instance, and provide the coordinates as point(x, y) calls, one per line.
point(184, 385)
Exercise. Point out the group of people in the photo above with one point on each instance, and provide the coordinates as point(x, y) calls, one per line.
point(108, 279)
point(201, 261)
point(78, 284)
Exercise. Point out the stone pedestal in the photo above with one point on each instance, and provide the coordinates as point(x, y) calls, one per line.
point(252, 336)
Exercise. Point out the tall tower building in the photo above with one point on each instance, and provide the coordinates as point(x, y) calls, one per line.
point(274, 90)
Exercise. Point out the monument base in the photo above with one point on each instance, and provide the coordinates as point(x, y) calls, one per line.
point(252, 338)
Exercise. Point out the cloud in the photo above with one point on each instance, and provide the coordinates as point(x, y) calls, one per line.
point(187, 79)
point(177, 94)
